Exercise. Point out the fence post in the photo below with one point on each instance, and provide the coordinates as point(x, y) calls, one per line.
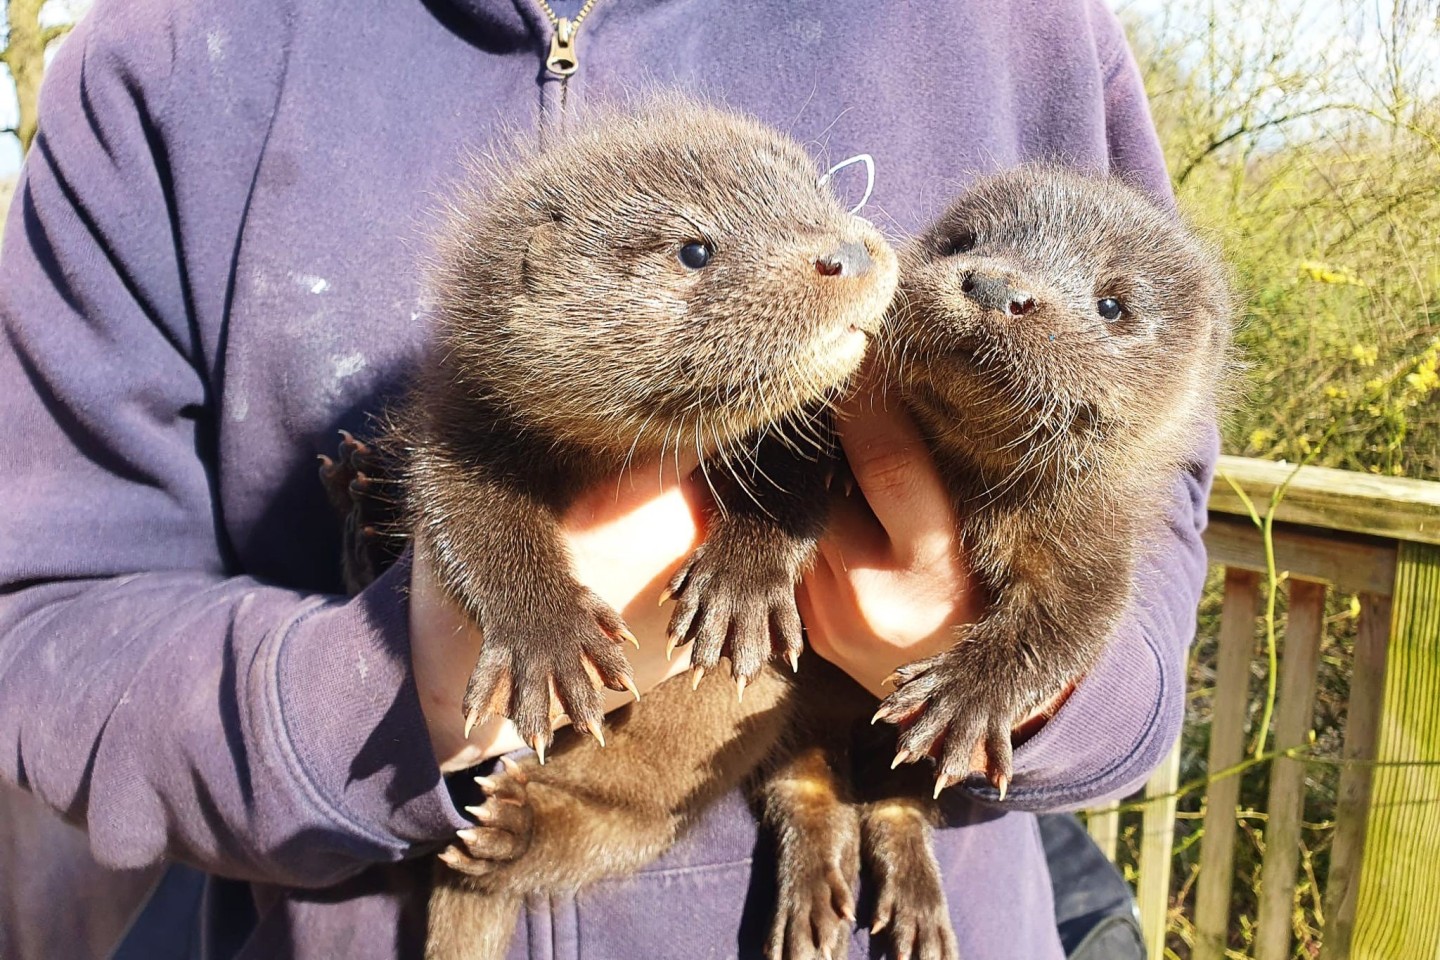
point(1352, 803)
point(1227, 746)
point(1285, 807)
point(1157, 843)
point(1395, 914)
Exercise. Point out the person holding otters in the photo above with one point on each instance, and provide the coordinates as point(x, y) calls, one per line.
point(209, 268)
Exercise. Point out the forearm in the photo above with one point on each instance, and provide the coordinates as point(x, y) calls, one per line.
point(251, 731)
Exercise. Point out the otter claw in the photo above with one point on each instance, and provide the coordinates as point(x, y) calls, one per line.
point(594, 730)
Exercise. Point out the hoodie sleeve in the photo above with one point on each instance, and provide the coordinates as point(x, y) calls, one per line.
point(1126, 714)
point(148, 694)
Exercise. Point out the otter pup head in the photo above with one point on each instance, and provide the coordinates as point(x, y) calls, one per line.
point(672, 275)
point(1052, 318)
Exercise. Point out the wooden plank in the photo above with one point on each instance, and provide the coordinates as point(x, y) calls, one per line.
point(1352, 801)
point(1157, 845)
point(1394, 507)
point(1396, 914)
point(1227, 746)
point(1285, 808)
point(1104, 827)
point(1351, 562)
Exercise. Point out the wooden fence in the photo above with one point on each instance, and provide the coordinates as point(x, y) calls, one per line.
point(1377, 538)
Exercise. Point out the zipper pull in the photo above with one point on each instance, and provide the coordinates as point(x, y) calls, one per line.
point(563, 60)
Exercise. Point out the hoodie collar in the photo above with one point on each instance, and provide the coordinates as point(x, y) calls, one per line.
point(513, 22)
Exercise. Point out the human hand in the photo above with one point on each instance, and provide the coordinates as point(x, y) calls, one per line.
point(891, 583)
point(627, 538)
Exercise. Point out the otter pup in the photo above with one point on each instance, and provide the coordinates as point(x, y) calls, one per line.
point(1060, 341)
point(669, 279)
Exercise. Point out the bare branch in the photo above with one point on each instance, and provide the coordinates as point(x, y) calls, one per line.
point(56, 32)
point(1244, 129)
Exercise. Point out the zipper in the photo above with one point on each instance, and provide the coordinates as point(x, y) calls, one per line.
point(564, 59)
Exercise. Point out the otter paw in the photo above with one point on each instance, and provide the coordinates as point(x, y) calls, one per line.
point(346, 477)
point(545, 663)
point(910, 899)
point(815, 911)
point(732, 607)
point(959, 708)
point(916, 918)
point(354, 482)
point(504, 825)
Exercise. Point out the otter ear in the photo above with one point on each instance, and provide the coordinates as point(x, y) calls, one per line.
point(542, 247)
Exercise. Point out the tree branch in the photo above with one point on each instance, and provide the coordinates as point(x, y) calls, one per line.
point(1240, 131)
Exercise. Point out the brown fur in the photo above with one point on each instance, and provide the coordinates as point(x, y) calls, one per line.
point(1058, 452)
point(572, 342)
point(1060, 433)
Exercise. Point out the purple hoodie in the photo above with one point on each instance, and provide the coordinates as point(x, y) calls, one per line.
point(210, 266)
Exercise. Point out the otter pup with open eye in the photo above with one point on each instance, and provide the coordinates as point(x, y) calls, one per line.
point(659, 282)
point(1060, 340)
point(1060, 433)
point(669, 280)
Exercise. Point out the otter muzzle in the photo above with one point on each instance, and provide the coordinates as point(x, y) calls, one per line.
point(850, 259)
point(994, 293)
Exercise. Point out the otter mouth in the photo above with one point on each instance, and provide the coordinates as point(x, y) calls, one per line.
point(841, 350)
point(844, 334)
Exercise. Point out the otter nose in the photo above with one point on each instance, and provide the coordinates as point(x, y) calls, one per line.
point(850, 259)
point(995, 293)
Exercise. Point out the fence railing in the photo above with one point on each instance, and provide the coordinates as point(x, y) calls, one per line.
point(1379, 539)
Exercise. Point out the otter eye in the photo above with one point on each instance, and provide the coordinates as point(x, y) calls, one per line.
point(1110, 309)
point(962, 242)
point(696, 255)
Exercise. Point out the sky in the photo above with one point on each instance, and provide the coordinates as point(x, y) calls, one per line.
point(1345, 32)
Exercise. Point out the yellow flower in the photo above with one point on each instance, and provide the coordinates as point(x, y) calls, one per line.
point(1365, 354)
point(1324, 273)
point(1427, 374)
point(1260, 438)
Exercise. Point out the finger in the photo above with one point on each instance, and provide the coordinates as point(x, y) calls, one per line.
point(854, 537)
point(817, 598)
point(894, 470)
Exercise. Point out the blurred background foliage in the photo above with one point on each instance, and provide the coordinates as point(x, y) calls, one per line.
point(1306, 139)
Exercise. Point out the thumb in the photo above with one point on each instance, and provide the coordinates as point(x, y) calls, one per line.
point(894, 470)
